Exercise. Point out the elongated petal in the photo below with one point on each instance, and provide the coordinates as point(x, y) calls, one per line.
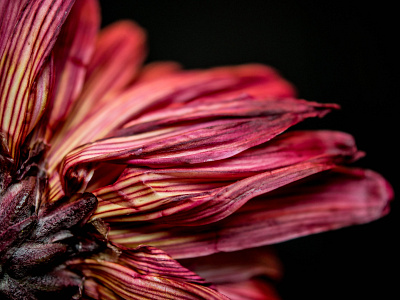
point(175, 89)
point(148, 260)
point(195, 142)
point(128, 284)
point(94, 290)
point(236, 266)
point(253, 289)
point(25, 52)
point(10, 11)
point(120, 51)
point(337, 199)
point(208, 192)
point(72, 52)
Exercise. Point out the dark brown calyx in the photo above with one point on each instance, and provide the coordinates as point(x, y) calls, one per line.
point(36, 240)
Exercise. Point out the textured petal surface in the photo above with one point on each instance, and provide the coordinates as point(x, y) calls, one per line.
point(253, 289)
point(196, 141)
point(229, 267)
point(128, 284)
point(339, 198)
point(119, 52)
point(206, 193)
point(175, 89)
point(72, 53)
point(28, 45)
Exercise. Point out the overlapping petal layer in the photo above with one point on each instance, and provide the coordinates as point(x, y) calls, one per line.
point(340, 198)
point(205, 193)
point(200, 139)
point(175, 89)
point(29, 31)
point(174, 157)
point(114, 280)
point(72, 53)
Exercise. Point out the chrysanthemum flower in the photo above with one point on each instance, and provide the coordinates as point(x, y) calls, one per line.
point(119, 181)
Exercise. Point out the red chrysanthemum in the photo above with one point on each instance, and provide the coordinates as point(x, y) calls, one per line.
point(119, 181)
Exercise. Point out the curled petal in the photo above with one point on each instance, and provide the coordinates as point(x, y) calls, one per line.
point(175, 89)
point(148, 260)
point(128, 284)
point(119, 45)
point(27, 48)
point(72, 53)
point(333, 200)
point(205, 193)
point(253, 289)
point(236, 266)
point(193, 142)
point(118, 55)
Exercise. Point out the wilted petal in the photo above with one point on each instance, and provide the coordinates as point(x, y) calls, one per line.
point(205, 193)
point(118, 55)
point(253, 289)
point(119, 52)
point(94, 290)
point(26, 50)
point(72, 52)
point(148, 260)
point(129, 284)
point(175, 89)
point(196, 141)
point(339, 198)
point(236, 266)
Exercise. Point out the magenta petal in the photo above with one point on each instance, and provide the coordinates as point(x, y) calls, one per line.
point(72, 53)
point(129, 284)
point(339, 198)
point(226, 267)
point(253, 289)
point(205, 193)
point(25, 48)
point(193, 142)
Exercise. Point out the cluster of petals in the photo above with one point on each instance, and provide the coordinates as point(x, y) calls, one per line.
point(192, 170)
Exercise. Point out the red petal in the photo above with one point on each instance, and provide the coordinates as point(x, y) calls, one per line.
point(72, 52)
point(236, 266)
point(176, 89)
point(128, 284)
point(194, 142)
point(254, 289)
point(25, 48)
point(337, 199)
point(205, 193)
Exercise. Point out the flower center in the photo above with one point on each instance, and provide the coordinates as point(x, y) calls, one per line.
point(36, 239)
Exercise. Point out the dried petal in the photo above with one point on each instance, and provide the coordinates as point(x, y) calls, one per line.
point(339, 198)
point(205, 193)
point(72, 53)
point(25, 48)
point(128, 284)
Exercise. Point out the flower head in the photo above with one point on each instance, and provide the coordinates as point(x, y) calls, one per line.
point(123, 181)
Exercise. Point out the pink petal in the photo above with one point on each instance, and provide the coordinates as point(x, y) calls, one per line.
point(72, 52)
point(205, 193)
point(254, 289)
point(118, 55)
point(128, 284)
point(148, 260)
point(337, 199)
point(236, 266)
point(25, 48)
point(156, 70)
point(177, 89)
point(194, 142)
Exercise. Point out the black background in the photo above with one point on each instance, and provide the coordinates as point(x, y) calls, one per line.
point(333, 52)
